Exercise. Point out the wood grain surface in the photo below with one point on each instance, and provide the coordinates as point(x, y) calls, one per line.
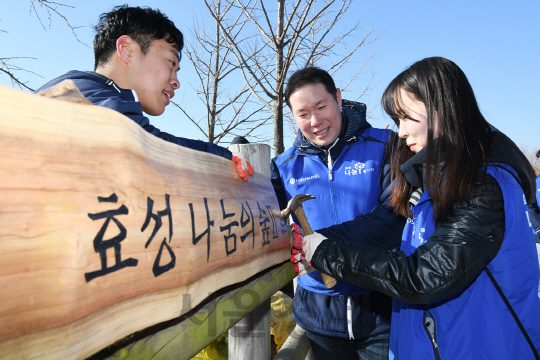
point(83, 189)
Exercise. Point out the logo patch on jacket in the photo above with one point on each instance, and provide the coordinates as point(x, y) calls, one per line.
point(296, 181)
point(357, 169)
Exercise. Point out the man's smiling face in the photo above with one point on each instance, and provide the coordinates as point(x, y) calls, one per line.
point(154, 75)
point(317, 113)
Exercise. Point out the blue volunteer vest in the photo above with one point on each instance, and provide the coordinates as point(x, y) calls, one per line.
point(476, 324)
point(350, 188)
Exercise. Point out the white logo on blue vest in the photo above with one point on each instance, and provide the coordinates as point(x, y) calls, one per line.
point(421, 236)
point(296, 181)
point(357, 169)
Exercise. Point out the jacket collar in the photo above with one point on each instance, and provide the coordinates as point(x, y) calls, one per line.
point(414, 168)
point(127, 94)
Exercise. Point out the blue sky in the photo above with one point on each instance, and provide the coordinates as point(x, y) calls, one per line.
point(496, 43)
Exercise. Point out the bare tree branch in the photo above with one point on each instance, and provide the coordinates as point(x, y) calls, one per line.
point(50, 8)
point(226, 103)
point(303, 33)
point(10, 69)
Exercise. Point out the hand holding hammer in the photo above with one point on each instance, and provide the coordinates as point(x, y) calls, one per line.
point(295, 205)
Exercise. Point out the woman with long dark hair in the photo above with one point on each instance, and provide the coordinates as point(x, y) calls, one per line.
point(466, 278)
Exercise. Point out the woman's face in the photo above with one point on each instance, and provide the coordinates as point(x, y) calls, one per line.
point(413, 127)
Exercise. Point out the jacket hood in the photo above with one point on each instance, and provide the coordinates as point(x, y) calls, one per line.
point(353, 115)
point(505, 151)
point(74, 75)
point(87, 80)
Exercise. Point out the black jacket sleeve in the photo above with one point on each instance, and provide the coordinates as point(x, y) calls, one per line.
point(380, 228)
point(452, 258)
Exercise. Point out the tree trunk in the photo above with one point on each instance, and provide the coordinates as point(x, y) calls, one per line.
point(278, 102)
point(215, 80)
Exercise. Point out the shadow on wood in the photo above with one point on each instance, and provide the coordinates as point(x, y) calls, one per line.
point(184, 337)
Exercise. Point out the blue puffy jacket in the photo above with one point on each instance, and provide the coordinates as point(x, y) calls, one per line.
point(104, 92)
point(348, 179)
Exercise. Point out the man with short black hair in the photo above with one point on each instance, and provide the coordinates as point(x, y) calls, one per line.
point(340, 159)
point(137, 56)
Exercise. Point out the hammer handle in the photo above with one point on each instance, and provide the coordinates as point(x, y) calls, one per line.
point(329, 281)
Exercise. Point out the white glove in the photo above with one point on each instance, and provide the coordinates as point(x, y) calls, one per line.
point(311, 243)
point(303, 250)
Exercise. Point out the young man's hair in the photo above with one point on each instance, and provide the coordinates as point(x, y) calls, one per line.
point(466, 139)
point(309, 76)
point(143, 25)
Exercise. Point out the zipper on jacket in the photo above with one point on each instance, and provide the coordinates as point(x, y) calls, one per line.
point(352, 140)
point(111, 83)
point(349, 318)
point(330, 165)
point(429, 326)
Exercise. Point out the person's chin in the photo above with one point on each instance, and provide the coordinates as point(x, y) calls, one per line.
point(156, 111)
point(325, 141)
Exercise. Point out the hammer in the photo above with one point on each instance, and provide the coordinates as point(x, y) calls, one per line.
point(295, 205)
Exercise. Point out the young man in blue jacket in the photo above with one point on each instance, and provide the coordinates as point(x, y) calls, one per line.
point(137, 56)
point(342, 161)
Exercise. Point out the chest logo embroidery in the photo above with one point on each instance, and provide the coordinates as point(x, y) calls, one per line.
point(357, 169)
point(293, 181)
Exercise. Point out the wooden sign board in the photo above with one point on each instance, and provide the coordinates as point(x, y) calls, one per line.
point(105, 228)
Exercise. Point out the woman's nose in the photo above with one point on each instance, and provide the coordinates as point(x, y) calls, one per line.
point(402, 130)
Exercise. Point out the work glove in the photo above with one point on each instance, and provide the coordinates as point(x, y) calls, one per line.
point(303, 250)
point(243, 167)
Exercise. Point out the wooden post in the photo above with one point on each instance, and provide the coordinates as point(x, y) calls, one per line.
point(258, 156)
point(250, 338)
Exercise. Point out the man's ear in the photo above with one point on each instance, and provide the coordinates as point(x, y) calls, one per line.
point(124, 48)
point(338, 96)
